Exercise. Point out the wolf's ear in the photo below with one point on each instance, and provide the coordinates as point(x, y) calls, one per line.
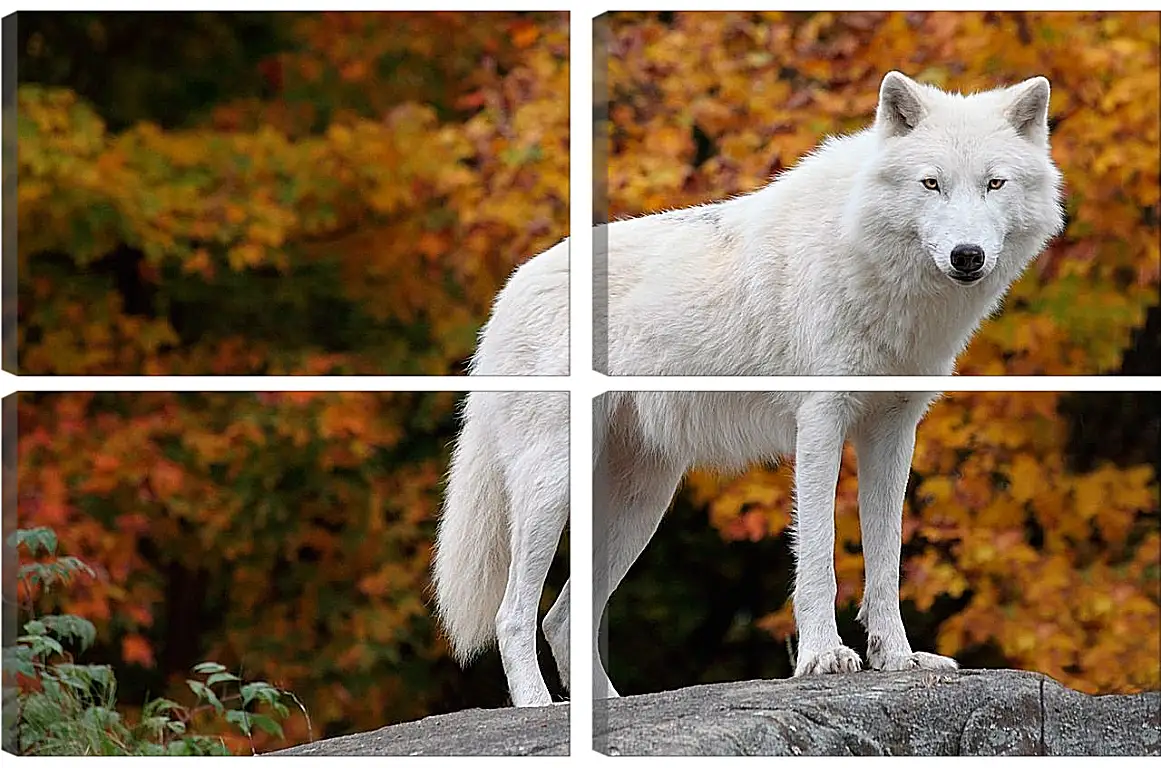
point(901, 105)
point(1027, 109)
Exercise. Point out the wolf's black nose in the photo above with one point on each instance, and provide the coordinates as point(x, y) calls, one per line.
point(967, 259)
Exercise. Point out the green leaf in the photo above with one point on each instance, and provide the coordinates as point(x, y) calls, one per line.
point(205, 694)
point(68, 626)
point(55, 572)
point(96, 679)
point(41, 645)
point(101, 717)
point(71, 565)
point(154, 725)
point(260, 690)
point(240, 718)
point(34, 539)
point(159, 706)
point(267, 724)
point(36, 627)
point(19, 659)
point(221, 677)
point(208, 667)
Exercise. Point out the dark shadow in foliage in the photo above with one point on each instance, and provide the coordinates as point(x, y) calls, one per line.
point(169, 68)
point(685, 613)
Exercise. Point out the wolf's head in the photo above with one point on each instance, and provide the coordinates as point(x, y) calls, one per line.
point(968, 179)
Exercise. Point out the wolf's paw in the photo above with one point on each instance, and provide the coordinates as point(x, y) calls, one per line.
point(829, 662)
point(897, 662)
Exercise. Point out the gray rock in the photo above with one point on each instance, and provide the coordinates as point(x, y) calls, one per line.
point(970, 712)
point(509, 731)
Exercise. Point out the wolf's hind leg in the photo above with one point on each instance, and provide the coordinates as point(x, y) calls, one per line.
point(632, 492)
point(556, 627)
point(538, 490)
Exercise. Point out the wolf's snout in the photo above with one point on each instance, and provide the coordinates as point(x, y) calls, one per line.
point(967, 260)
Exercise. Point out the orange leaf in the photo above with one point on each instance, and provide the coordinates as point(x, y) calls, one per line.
point(135, 649)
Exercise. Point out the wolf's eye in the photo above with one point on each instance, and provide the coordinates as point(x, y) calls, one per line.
point(932, 184)
point(995, 184)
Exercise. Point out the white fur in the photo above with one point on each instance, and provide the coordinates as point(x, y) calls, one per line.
point(505, 510)
point(841, 266)
point(507, 490)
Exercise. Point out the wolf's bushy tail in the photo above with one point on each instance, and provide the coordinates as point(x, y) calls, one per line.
point(472, 554)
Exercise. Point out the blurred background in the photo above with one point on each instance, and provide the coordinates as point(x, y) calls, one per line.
point(706, 105)
point(1031, 540)
point(280, 193)
point(286, 536)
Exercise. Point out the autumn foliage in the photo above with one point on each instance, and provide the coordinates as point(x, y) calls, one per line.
point(354, 214)
point(356, 210)
point(1055, 567)
point(349, 201)
point(284, 534)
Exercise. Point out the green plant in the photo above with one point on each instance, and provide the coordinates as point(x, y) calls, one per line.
point(53, 706)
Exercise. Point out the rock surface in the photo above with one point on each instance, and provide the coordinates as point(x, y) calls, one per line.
point(509, 731)
point(970, 712)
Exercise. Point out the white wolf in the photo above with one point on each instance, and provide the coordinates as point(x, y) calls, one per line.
point(878, 254)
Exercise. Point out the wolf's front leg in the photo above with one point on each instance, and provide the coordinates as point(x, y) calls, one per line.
point(884, 446)
point(818, 454)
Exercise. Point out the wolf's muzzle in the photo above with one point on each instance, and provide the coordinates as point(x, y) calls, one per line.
point(967, 262)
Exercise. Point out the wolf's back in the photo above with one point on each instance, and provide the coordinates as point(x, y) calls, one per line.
point(527, 333)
